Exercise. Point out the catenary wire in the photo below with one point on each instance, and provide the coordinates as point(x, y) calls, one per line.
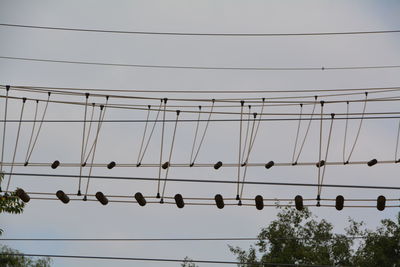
point(196, 67)
point(43, 175)
point(156, 259)
point(222, 34)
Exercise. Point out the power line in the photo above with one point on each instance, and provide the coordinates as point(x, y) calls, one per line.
point(210, 91)
point(154, 259)
point(198, 165)
point(205, 181)
point(199, 34)
point(193, 67)
point(171, 239)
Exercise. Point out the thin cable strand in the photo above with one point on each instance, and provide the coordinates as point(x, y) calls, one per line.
point(16, 145)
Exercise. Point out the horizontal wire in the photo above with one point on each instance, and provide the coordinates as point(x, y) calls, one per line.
point(202, 165)
point(258, 100)
point(174, 239)
point(198, 33)
point(42, 175)
point(276, 200)
point(232, 113)
point(155, 259)
point(322, 68)
point(213, 204)
point(108, 90)
point(254, 101)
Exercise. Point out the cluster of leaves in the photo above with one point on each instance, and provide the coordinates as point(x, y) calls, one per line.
point(297, 237)
point(7, 260)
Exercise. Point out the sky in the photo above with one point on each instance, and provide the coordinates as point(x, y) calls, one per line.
point(120, 142)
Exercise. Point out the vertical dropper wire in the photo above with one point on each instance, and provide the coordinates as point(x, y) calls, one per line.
point(204, 132)
point(359, 128)
point(170, 154)
point(101, 117)
point(100, 124)
point(307, 130)
point(345, 132)
point(83, 144)
point(144, 134)
point(258, 123)
point(32, 132)
point(248, 155)
point(397, 144)
point(247, 134)
point(320, 150)
point(88, 134)
point(4, 129)
point(151, 134)
point(161, 148)
point(195, 137)
point(16, 143)
point(326, 154)
point(40, 127)
point(240, 150)
point(297, 132)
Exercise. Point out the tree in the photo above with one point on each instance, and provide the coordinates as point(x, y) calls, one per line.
point(7, 260)
point(297, 237)
point(10, 203)
point(187, 262)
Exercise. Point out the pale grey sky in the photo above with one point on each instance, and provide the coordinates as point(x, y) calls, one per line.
point(120, 142)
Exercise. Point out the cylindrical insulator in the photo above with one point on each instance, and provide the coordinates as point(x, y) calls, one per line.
point(259, 202)
point(298, 200)
point(339, 202)
point(101, 198)
point(62, 196)
point(111, 165)
point(165, 165)
point(381, 203)
point(219, 200)
point(372, 162)
point(140, 199)
point(218, 165)
point(320, 163)
point(179, 201)
point(55, 164)
point(22, 195)
point(269, 164)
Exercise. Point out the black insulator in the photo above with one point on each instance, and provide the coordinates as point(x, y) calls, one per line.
point(298, 200)
point(179, 201)
point(218, 165)
point(55, 164)
point(372, 162)
point(339, 202)
point(22, 195)
point(239, 203)
point(111, 165)
point(381, 203)
point(26, 164)
point(79, 193)
point(237, 197)
point(320, 163)
point(219, 200)
point(101, 198)
point(269, 165)
point(140, 199)
point(158, 195)
point(62, 196)
point(165, 165)
point(259, 202)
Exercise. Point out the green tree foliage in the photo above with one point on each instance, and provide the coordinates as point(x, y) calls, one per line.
point(187, 262)
point(20, 261)
point(10, 203)
point(297, 237)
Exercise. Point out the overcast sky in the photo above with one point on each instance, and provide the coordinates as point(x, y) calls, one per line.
point(121, 142)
